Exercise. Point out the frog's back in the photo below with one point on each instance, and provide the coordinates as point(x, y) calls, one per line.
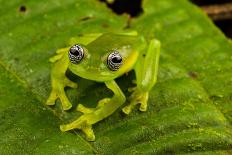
point(111, 41)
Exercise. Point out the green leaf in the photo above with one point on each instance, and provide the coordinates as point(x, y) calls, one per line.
point(190, 108)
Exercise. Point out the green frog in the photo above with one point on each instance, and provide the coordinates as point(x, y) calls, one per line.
point(103, 57)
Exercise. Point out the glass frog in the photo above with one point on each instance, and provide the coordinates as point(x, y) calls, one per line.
point(103, 57)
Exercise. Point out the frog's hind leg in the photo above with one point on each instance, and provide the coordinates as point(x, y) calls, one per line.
point(93, 115)
point(85, 110)
point(146, 75)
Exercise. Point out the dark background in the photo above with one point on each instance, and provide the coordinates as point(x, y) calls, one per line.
point(226, 24)
point(134, 9)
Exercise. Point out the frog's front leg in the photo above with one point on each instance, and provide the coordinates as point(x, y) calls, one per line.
point(59, 80)
point(146, 75)
point(93, 115)
point(59, 67)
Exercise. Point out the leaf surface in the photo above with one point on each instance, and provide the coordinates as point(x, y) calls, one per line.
point(189, 107)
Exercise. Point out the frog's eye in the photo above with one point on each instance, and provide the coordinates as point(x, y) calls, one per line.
point(114, 61)
point(76, 54)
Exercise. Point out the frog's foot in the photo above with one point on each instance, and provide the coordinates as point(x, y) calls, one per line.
point(82, 123)
point(58, 92)
point(137, 97)
point(90, 116)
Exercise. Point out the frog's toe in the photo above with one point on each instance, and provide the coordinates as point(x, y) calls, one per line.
point(136, 98)
point(84, 109)
point(81, 123)
point(77, 124)
point(70, 83)
point(89, 133)
point(52, 98)
point(127, 109)
point(59, 93)
point(102, 102)
point(66, 105)
point(143, 107)
point(64, 128)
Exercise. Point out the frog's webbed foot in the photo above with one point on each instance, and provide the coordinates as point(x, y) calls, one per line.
point(59, 80)
point(58, 92)
point(83, 123)
point(87, 119)
point(137, 97)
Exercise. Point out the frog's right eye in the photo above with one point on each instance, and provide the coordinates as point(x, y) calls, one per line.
point(76, 54)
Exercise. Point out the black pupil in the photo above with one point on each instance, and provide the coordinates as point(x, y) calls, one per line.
point(75, 51)
point(117, 59)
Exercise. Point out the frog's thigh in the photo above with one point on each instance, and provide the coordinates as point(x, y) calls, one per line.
point(84, 39)
point(147, 67)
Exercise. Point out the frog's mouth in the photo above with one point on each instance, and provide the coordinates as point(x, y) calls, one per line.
point(94, 73)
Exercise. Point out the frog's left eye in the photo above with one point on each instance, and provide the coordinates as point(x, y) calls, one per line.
point(114, 61)
point(76, 54)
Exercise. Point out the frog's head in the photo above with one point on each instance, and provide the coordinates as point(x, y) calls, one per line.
point(104, 59)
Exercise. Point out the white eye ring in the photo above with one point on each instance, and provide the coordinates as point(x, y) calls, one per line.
point(114, 61)
point(76, 54)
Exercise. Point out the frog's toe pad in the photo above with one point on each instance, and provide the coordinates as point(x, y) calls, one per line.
point(63, 128)
point(127, 109)
point(89, 133)
point(143, 107)
point(52, 98)
point(66, 106)
point(50, 102)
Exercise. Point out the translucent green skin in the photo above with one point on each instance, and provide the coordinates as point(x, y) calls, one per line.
point(136, 54)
